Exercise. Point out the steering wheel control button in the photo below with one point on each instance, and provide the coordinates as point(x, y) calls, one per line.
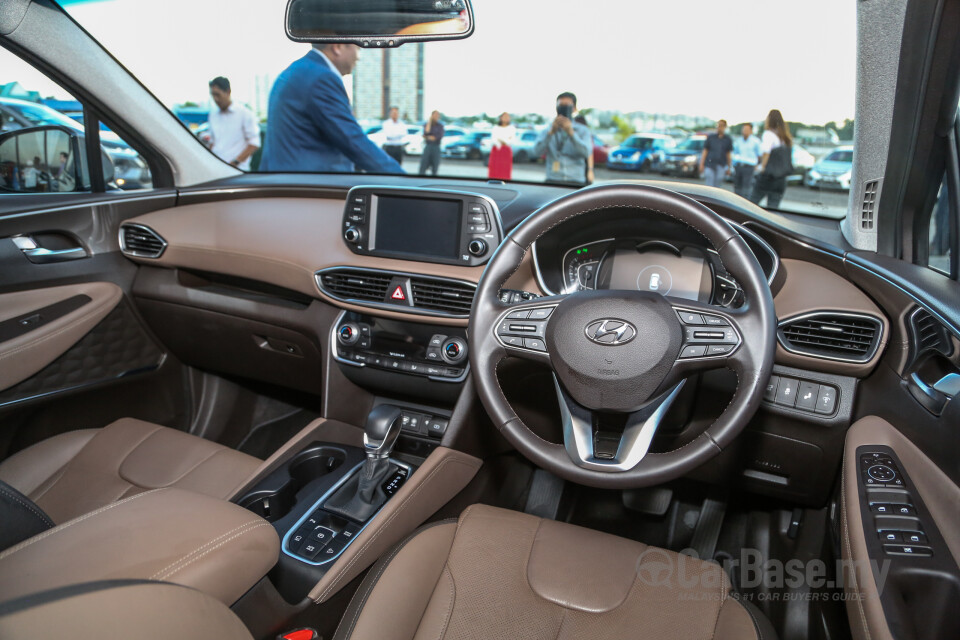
point(807, 395)
point(535, 344)
point(541, 314)
point(787, 392)
point(693, 351)
point(688, 317)
point(826, 399)
point(719, 349)
point(715, 321)
point(518, 315)
point(512, 341)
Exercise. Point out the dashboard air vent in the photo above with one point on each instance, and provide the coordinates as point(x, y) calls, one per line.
point(141, 241)
point(832, 335)
point(354, 284)
point(928, 333)
point(447, 296)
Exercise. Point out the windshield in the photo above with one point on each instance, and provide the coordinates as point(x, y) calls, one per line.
point(736, 62)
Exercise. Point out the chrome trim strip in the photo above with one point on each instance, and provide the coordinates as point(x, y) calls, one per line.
point(102, 202)
point(323, 498)
point(826, 312)
point(139, 254)
point(392, 307)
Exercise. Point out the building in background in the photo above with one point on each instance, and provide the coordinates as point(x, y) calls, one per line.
point(385, 78)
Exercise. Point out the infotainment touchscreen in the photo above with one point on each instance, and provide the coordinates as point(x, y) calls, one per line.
point(421, 226)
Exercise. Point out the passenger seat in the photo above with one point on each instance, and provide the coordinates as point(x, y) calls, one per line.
point(78, 472)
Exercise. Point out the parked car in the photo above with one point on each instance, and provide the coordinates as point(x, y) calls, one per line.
point(466, 146)
point(376, 135)
point(684, 159)
point(802, 161)
point(601, 152)
point(129, 169)
point(639, 152)
point(833, 171)
point(523, 144)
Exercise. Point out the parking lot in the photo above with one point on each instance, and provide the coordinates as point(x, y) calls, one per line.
point(799, 199)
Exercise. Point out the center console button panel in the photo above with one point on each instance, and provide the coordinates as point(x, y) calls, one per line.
point(428, 351)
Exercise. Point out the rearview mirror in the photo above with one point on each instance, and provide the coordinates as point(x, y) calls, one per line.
point(378, 23)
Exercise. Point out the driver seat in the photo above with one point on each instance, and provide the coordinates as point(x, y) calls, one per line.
point(502, 574)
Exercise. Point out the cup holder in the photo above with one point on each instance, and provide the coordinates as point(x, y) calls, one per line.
point(277, 494)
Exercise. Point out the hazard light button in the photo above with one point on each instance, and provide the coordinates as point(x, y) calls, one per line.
point(398, 292)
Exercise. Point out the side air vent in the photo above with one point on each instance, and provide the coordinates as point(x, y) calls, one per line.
point(417, 293)
point(869, 206)
point(354, 285)
point(832, 335)
point(141, 241)
point(928, 334)
point(447, 296)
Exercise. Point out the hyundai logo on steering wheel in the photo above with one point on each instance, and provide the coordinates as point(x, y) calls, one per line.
point(610, 331)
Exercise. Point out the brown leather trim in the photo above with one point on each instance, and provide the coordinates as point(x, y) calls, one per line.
point(28, 469)
point(165, 534)
point(283, 241)
point(145, 610)
point(939, 494)
point(808, 288)
point(443, 475)
point(25, 355)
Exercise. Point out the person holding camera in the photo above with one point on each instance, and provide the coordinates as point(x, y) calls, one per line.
point(567, 145)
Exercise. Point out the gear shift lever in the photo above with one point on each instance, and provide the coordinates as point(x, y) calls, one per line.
point(361, 496)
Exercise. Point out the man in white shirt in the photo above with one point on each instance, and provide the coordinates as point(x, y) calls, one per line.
point(394, 134)
point(234, 133)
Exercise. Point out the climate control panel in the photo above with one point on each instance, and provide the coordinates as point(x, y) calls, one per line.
point(437, 353)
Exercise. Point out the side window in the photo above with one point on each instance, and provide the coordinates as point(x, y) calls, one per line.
point(939, 231)
point(43, 138)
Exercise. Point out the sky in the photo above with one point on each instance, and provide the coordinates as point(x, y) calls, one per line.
point(732, 59)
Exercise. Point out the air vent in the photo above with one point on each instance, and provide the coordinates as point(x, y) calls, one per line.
point(370, 288)
point(869, 206)
point(832, 335)
point(352, 285)
point(141, 241)
point(928, 334)
point(447, 296)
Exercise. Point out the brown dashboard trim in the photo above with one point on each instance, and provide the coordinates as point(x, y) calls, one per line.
point(282, 241)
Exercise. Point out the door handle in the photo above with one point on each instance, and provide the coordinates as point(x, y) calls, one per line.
point(38, 255)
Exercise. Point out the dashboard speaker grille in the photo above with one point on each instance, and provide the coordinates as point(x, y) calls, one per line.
point(350, 284)
point(832, 335)
point(141, 241)
point(869, 206)
point(447, 296)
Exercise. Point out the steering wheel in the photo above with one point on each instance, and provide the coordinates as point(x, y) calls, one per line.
point(622, 352)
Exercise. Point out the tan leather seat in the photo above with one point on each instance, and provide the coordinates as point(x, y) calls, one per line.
point(80, 471)
point(501, 574)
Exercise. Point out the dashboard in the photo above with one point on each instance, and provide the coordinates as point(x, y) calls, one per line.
point(643, 251)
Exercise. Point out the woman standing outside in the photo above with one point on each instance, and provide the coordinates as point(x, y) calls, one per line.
point(432, 134)
point(776, 162)
point(501, 155)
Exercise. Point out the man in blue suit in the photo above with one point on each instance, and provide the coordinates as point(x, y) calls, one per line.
point(310, 124)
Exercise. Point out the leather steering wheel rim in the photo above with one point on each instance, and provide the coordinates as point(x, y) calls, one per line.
point(753, 362)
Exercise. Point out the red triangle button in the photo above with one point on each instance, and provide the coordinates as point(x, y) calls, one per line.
point(398, 294)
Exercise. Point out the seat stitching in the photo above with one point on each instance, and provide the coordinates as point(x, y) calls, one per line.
point(385, 562)
point(383, 528)
point(846, 539)
point(26, 505)
point(50, 532)
point(233, 537)
point(159, 574)
point(723, 593)
point(453, 598)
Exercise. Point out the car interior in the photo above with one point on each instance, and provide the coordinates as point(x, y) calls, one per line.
point(327, 405)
